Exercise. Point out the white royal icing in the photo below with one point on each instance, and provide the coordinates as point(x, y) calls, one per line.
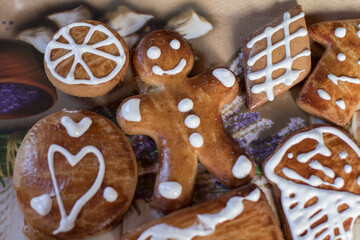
point(242, 167)
point(175, 44)
point(225, 76)
point(294, 195)
point(170, 190)
point(335, 79)
point(192, 121)
point(196, 140)
point(358, 62)
point(67, 222)
point(42, 204)
point(343, 154)
point(153, 52)
point(130, 110)
point(341, 57)
point(358, 181)
point(290, 155)
point(159, 71)
point(347, 168)
point(76, 129)
point(318, 166)
point(110, 194)
point(77, 50)
point(341, 104)
point(205, 224)
point(185, 105)
point(290, 75)
point(340, 32)
point(323, 94)
point(358, 34)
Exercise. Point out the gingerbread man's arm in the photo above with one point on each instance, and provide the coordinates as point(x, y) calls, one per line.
point(136, 116)
point(219, 84)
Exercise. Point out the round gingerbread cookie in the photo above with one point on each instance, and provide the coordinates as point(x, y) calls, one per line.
point(86, 59)
point(75, 176)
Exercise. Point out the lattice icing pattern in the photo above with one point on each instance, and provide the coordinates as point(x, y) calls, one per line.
point(77, 50)
point(290, 75)
point(318, 206)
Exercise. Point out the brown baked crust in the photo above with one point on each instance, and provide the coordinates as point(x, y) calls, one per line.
point(297, 45)
point(99, 66)
point(336, 145)
point(257, 221)
point(308, 98)
point(162, 121)
point(32, 176)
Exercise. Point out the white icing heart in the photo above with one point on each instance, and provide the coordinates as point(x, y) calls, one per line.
point(42, 204)
point(67, 222)
point(76, 129)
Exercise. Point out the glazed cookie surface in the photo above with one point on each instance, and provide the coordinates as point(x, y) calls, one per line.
point(316, 177)
point(183, 118)
point(86, 59)
point(276, 57)
point(332, 90)
point(243, 213)
point(75, 176)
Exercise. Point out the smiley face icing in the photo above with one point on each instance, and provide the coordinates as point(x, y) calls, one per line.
point(332, 90)
point(183, 118)
point(66, 176)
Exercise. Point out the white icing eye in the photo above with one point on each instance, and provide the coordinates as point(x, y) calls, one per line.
point(110, 194)
point(175, 44)
point(153, 52)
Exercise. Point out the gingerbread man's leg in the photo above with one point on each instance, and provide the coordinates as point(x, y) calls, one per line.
point(175, 181)
point(224, 159)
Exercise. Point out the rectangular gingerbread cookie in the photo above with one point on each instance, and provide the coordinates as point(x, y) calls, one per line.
point(276, 57)
point(243, 213)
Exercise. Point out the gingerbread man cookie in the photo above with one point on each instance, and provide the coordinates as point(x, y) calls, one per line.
point(316, 178)
point(183, 118)
point(74, 177)
point(86, 59)
point(332, 90)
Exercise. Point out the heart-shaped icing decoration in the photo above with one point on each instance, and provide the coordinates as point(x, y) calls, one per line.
point(76, 129)
point(317, 172)
point(42, 204)
point(67, 222)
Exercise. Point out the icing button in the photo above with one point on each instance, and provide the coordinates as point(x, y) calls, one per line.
point(196, 140)
point(170, 190)
point(242, 167)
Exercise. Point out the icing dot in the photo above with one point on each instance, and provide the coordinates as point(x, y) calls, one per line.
point(185, 105)
point(290, 155)
point(341, 57)
point(196, 140)
point(358, 62)
point(192, 121)
point(358, 180)
point(339, 182)
point(341, 104)
point(170, 190)
point(343, 154)
point(42, 204)
point(323, 94)
point(358, 33)
point(110, 194)
point(340, 32)
point(225, 76)
point(347, 168)
point(153, 52)
point(175, 44)
point(130, 110)
point(242, 167)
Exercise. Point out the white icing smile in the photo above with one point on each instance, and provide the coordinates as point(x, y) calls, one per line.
point(159, 71)
point(76, 129)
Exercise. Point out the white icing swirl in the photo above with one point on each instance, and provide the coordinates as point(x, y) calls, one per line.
point(170, 190)
point(130, 110)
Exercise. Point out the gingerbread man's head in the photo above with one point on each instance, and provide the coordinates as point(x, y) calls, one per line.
point(163, 56)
